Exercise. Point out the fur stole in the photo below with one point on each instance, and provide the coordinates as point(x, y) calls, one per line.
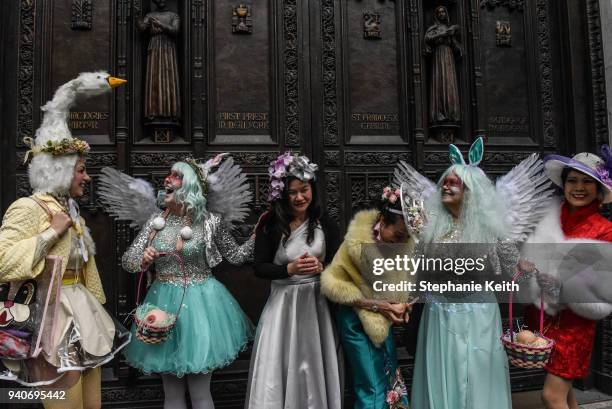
point(344, 283)
point(584, 285)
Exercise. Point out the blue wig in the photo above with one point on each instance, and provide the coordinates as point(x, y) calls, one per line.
point(190, 194)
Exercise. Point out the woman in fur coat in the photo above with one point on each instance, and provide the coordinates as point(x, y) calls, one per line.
point(573, 302)
point(365, 316)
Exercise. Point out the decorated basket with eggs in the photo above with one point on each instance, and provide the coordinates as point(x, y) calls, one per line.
point(153, 324)
point(524, 348)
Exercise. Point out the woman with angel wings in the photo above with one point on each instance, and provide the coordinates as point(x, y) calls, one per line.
point(211, 329)
point(460, 361)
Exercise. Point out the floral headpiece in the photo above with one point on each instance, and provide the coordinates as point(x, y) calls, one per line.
point(391, 195)
point(604, 169)
point(412, 209)
point(289, 165)
point(66, 146)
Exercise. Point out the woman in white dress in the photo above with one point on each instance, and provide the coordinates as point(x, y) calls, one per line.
point(295, 360)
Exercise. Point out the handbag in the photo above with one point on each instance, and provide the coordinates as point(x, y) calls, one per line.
point(28, 309)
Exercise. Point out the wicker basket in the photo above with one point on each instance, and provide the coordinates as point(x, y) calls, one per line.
point(526, 356)
point(155, 334)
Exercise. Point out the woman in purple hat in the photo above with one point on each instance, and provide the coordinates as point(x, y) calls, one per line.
point(572, 303)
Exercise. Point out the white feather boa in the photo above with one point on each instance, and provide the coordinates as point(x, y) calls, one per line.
point(586, 285)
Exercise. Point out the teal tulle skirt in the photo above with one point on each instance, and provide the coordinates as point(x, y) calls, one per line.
point(210, 331)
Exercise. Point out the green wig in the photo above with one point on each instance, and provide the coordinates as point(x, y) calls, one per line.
point(190, 194)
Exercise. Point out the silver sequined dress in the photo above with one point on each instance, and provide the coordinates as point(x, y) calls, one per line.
point(212, 328)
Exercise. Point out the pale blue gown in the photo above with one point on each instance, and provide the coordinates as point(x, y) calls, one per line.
point(460, 361)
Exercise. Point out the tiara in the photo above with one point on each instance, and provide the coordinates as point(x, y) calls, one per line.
point(199, 173)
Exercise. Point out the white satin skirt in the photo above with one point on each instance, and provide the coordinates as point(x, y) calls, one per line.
point(296, 361)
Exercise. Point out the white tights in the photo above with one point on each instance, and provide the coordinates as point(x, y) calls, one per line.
point(199, 391)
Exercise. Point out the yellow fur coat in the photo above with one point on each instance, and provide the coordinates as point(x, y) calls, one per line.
point(343, 283)
point(23, 222)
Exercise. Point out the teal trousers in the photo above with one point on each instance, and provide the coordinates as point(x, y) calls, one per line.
point(366, 362)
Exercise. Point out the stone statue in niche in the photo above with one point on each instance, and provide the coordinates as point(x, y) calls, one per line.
point(162, 107)
point(442, 44)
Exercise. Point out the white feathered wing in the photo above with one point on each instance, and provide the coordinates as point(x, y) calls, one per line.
point(416, 185)
point(127, 198)
point(526, 190)
point(229, 192)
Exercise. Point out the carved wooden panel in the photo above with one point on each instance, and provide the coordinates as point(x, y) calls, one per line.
point(68, 53)
point(304, 76)
point(507, 86)
point(244, 106)
point(372, 84)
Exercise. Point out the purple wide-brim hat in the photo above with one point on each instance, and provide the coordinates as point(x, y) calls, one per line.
point(587, 163)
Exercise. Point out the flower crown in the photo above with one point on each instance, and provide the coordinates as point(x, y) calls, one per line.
point(199, 173)
point(391, 195)
point(412, 209)
point(66, 146)
point(288, 165)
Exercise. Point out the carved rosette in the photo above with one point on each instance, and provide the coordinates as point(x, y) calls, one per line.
point(332, 158)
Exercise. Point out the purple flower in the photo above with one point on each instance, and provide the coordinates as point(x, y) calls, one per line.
point(286, 158)
point(277, 184)
point(284, 165)
point(604, 175)
point(273, 195)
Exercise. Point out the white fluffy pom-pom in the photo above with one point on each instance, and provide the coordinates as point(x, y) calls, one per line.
point(159, 223)
point(186, 233)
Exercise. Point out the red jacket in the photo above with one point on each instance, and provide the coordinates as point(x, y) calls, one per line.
point(585, 223)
